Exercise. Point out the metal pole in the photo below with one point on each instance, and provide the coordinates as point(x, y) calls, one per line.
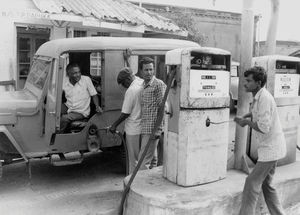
point(258, 35)
point(272, 30)
point(244, 98)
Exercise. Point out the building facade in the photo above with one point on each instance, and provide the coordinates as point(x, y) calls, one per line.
point(214, 28)
point(282, 48)
point(27, 24)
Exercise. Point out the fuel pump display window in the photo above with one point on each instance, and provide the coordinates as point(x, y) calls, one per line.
point(200, 61)
point(209, 75)
point(287, 67)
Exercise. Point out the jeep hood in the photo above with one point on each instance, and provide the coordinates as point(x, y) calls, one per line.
point(17, 101)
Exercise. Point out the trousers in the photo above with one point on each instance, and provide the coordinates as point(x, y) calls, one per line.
point(150, 153)
point(261, 179)
point(133, 147)
point(66, 119)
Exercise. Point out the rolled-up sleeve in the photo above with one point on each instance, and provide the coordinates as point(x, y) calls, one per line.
point(265, 114)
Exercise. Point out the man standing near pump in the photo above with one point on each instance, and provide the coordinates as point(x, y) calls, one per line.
point(268, 131)
point(152, 96)
point(140, 107)
point(131, 113)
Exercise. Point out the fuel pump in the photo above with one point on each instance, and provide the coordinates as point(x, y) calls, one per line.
point(283, 83)
point(195, 153)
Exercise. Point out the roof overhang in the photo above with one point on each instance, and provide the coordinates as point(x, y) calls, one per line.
point(116, 15)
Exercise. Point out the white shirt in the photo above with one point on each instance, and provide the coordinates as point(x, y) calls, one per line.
point(139, 80)
point(132, 106)
point(272, 145)
point(79, 95)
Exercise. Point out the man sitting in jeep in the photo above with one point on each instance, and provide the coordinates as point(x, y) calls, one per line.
point(78, 91)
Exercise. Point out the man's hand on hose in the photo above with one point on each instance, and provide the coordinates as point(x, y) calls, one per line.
point(241, 121)
point(112, 129)
point(99, 109)
point(157, 135)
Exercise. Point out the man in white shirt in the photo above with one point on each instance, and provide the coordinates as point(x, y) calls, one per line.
point(78, 92)
point(272, 147)
point(131, 113)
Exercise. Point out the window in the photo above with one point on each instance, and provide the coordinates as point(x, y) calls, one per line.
point(38, 76)
point(79, 33)
point(101, 34)
point(95, 63)
point(38, 73)
point(28, 41)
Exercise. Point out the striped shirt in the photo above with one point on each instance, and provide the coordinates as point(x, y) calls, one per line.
point(152, 96)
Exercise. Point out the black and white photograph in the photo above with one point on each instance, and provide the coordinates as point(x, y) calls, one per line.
point(149, 107)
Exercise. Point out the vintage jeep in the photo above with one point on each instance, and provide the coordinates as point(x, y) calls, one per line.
point(30, 118)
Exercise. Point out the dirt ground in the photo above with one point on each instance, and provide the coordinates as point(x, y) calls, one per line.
point(92, 187)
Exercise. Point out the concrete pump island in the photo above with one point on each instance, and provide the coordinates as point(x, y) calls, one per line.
point(195, 178)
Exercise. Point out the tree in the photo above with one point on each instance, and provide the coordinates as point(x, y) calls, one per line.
point(185, 20)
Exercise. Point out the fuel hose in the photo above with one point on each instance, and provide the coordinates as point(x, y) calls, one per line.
point(158, 122)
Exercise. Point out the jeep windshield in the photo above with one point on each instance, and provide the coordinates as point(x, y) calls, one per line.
point(38, 75)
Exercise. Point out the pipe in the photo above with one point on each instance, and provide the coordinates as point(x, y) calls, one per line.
point(152, 136)
point(208, 122)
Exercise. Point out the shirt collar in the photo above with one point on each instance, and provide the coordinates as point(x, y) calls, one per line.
point(256, 97)
point(79, 82)
point(150, 82)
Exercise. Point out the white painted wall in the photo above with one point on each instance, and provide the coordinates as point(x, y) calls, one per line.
point(7, 51)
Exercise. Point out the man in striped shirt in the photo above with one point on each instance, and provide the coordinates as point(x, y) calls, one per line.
point(152, 96)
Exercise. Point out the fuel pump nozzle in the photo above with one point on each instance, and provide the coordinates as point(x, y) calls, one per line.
point(208, 122)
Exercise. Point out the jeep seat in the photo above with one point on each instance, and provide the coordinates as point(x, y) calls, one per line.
point(78, 125)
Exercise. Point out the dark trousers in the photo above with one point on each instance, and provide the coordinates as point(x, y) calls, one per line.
point(67, 118)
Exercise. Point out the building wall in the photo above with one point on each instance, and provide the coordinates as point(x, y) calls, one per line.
point(13, 15)
point(221, 35)
point(23, 13)
point(217, 29)
point(282, 47)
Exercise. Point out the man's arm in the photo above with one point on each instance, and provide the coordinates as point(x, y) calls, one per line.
point(159, 93)
point(243, 122)
point(247, 115)
point(96, 103)
point(114, 126)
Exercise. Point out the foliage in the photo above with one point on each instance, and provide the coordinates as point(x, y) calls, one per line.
point(186, 21)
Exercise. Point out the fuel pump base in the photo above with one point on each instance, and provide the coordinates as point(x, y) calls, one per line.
point(197, 154)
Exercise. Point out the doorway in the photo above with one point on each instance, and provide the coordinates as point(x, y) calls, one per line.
point(28, 41)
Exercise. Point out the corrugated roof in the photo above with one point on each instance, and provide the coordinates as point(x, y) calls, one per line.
point(116, 11)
